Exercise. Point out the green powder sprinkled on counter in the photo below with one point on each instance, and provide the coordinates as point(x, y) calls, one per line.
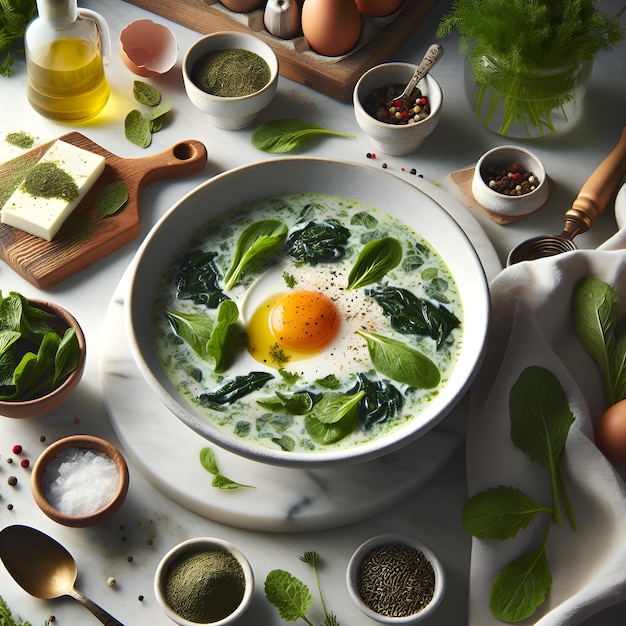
point(20, 139)
point(231, 73)
point(47, 180)
point(205, 586)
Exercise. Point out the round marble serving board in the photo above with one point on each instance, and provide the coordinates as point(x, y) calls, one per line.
point(281, 499)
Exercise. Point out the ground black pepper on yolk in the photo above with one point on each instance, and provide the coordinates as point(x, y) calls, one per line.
point(304, 320)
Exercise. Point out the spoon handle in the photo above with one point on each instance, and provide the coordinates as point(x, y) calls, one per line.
point(99, 612)
point(432, 56)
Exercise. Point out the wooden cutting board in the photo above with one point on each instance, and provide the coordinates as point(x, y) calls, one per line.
point(85, 237)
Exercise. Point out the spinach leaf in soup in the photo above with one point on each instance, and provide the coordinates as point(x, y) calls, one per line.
point(235, 389)
point(413, 315)
point(198, 279)
point(318, 242)
point(381, 403)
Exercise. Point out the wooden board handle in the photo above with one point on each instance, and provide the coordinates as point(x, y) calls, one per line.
point(181, 159)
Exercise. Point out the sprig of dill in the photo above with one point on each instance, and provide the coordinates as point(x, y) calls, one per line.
point(14, 18)
point(530, 35)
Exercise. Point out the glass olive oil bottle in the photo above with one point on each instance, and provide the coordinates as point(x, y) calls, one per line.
point(66, 50)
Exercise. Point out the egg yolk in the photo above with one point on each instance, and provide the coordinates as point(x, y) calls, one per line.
point(292, 326)
point(304, 320)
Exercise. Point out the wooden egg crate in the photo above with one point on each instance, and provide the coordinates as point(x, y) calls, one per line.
point(333, 76)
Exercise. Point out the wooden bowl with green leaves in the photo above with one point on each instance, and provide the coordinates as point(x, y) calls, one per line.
point(43, 354)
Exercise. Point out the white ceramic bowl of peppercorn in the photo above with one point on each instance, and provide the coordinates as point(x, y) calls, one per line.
point(510, 181)
point(396, 579)
point(204, 580)
point(231, 77)
point(45, 396)
point(392, 129)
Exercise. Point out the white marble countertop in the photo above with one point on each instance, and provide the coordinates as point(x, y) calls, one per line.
point(149, 522)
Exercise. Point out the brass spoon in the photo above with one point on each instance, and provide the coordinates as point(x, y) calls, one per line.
point(431, 58)
point(44, 568)
point(588, 205)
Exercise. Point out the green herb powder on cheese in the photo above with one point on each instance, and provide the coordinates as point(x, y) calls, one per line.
point(47, 180)
point(205, 586)
point(231, 73)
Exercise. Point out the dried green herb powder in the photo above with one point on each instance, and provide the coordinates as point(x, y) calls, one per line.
point(205, 586)
point(21, 139)
point(47, 180)
point(231, 73)
point(396, 580)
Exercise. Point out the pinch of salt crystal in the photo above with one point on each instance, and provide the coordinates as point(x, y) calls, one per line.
point(79, 482)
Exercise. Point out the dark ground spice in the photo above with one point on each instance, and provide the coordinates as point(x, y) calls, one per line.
point(205, 586)
point(396, 580)
point(231, 73)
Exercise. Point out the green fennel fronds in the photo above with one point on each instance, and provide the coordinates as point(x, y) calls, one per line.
point(14, 18)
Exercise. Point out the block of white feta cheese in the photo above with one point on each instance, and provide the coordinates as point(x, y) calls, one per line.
point(52, 189)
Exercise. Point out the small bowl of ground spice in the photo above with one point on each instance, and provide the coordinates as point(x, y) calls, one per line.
point(80, 481)
point(393, 126)
point(510, 181)
point(395, 579)
point(230, 76)
point(205, 580)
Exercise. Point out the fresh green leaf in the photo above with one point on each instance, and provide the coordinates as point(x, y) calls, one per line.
point(194, 328)
point(329, 382)
point(296, 404)
point(111, 199)
point(156, 114)
point(377, 257)
point(260, 237)
point(333, 417)
point(209, 463)
point(227, 316)
point(137, 129)
point(146, 93)
point(280, 136)
point(7, 619)
point(521, 587)
point(380, 404)
point(401, 362)
point(499, 513)
point(540, 421)
point(208, 460)
point(596, 311)
point(289, 595)
point(66, 358)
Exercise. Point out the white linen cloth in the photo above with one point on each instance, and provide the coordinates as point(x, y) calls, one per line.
point(532, 325)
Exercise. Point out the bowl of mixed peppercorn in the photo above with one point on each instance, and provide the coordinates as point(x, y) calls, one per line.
point(396, 126)
point(231, 77)
point(510, 181)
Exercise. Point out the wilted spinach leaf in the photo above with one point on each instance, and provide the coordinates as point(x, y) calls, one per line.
point(381, 402)
point(235, 389)
point(410, 314)
point(318, 242)
point(198, 279)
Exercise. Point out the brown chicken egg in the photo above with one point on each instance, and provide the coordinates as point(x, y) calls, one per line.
point(331, 27)
point(610, 432)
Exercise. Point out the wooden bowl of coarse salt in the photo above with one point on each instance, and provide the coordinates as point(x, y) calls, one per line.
point(80, 481)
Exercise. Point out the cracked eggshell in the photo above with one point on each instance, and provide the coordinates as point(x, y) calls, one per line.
point(148, 48)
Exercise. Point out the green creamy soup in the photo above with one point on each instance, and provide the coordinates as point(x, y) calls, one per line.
point(308, 322)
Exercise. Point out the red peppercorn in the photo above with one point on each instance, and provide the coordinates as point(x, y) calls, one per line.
point(25, 463)
point(405, 113)
point(17, 449)
point(517, 176)
point(423, 101)
point(397, 103)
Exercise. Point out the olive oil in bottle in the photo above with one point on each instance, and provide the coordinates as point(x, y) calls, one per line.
point(66, 48)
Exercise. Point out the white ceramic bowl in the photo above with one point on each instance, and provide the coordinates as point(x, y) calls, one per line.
point(390, 138)
point(362, 183)
point(503, 157)
point(202, 544)
point(354, 570)
point(238, 112)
